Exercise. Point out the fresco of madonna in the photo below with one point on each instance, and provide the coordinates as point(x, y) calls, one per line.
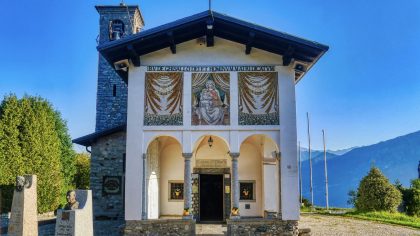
point(210, 99)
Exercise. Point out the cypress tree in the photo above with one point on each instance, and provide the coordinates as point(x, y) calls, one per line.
point(34, 140)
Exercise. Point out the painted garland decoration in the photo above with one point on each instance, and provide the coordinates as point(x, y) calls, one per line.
point(163, 99)
point(258, 98)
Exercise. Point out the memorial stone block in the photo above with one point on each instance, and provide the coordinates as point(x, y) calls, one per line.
point(23, 219)
point(76, 222)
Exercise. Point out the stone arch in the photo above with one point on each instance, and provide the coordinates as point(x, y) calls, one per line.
point(156, 164)
point(258, 164)
point(148, 139)
point(204, 137)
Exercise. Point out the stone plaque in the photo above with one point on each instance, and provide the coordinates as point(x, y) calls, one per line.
point(111, 185)
point(211, 163)
point(66, 225)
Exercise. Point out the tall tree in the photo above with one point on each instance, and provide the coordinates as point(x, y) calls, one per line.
point(34, 140)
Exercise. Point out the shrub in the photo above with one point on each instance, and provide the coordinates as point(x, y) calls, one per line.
point(82, 176)
point(376, 193)
point(413, 202)
point(33, 140)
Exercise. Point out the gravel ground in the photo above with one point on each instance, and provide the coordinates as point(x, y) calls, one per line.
point(336, 225)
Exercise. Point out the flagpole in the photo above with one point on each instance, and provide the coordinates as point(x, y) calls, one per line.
point(310, 161)
point(325, 170)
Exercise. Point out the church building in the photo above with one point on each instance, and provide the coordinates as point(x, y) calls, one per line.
point(196, 122)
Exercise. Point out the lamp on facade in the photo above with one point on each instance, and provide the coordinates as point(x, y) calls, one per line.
point(210, 142)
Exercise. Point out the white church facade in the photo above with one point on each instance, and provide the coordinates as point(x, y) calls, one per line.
point(197, 122)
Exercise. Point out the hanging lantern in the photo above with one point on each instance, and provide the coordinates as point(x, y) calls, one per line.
point(210, 142)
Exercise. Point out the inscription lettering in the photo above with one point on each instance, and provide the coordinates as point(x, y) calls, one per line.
point(210, 68)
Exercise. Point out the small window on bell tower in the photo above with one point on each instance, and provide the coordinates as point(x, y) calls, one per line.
point(116, 29)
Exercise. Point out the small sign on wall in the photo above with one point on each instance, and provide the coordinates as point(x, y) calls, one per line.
point(211, 163)
point(111, 185)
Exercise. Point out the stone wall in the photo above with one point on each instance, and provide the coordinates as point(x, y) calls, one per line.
point(248, 227)
point(107, 159)
point(159, 227)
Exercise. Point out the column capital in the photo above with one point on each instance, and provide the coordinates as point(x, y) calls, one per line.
point(234, 155)
point(187, 155)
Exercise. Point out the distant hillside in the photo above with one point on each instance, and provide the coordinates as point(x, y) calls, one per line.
point(317, 155)
point(396, 158)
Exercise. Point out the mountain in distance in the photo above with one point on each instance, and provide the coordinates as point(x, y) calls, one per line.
point(341, 151)
point(397, 158)
point(316, 154)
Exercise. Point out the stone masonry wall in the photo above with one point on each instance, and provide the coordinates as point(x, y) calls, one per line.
point(159, 227)
point(251, 227)
point(107, 159)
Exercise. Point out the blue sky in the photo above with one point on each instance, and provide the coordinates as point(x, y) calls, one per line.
point(364, 90)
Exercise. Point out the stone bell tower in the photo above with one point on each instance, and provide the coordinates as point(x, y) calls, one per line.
point(115, 22)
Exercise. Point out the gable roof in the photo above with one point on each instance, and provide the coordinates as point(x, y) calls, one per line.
point(304, 53)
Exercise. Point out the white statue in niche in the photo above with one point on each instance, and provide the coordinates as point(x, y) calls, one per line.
point(210, 108)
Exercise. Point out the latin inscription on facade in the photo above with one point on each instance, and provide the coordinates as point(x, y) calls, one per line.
point(210, 68)
point(211, 163)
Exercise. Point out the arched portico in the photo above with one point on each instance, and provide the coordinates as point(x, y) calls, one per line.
point(259, 176)
point(163, 174)
point(211, 178)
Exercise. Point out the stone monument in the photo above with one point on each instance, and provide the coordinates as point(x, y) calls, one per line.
point(76, 218)
point(23, 219)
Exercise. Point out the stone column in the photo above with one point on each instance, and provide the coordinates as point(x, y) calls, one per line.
point(187, 186)
point(235, 186)
point(278, 157)
point(144, 192)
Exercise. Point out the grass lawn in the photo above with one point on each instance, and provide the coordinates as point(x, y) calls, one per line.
point(384, 217)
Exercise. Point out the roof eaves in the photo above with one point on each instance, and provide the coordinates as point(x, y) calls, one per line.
point(87, 140)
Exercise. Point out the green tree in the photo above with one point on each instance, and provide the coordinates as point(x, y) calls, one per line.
point(31, 142)
point(352, 197)
point(82, 176)
point(67, 157)
point(413, 202)
point(376, 193)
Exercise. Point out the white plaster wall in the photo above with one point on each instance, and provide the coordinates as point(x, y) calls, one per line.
point(288, 146)
point(270, 176)
point(134, 146)
point(250, 165)
point(171, 169)
point(270, 187)
point(223, 53)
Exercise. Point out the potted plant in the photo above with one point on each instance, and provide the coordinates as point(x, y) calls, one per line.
point(235, 211)
point(186, 212)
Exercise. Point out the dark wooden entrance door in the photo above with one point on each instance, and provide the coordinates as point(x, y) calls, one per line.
point(211, 197)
